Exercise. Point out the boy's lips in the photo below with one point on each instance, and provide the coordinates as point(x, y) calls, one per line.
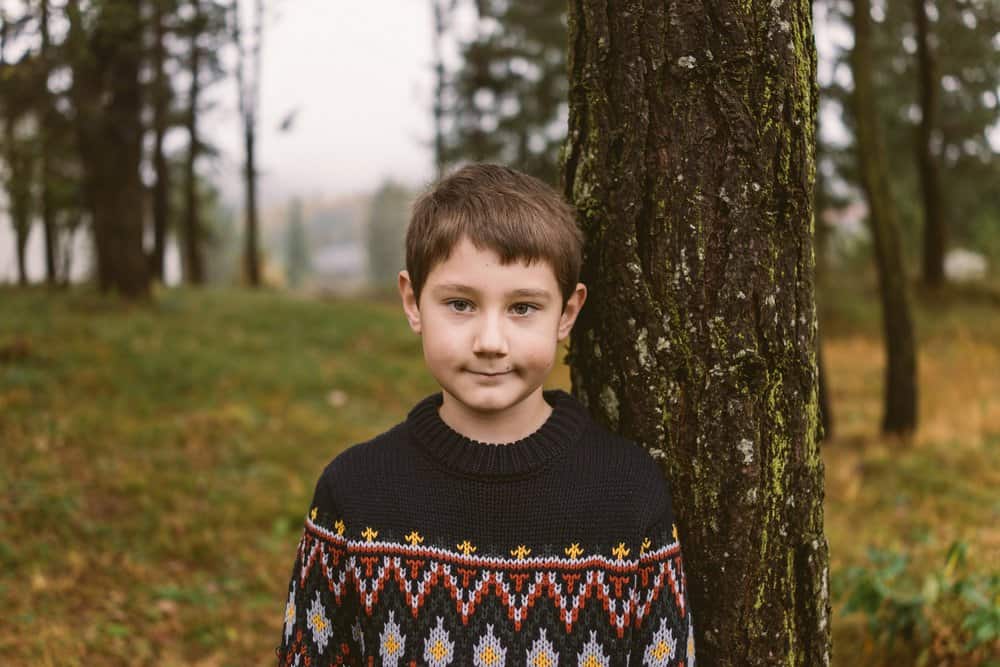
point(490, 374)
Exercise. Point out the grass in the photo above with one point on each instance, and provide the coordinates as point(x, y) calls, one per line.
point(156, 461)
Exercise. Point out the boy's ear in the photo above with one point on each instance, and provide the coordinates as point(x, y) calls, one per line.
point(410, 305)
point(571, 310)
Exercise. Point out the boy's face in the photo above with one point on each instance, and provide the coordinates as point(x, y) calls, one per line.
point(490, 332)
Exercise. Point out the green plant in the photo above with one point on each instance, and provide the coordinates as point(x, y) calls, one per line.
point(946, 613)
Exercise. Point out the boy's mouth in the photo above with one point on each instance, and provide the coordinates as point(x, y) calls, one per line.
point(490, 374)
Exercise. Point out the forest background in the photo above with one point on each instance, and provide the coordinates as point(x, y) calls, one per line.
point(178, 309)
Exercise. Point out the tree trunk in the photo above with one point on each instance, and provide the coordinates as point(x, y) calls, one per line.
point(439, 84)
point(251, 261)
point(194, 270)
point(249, 98)
point(47, 129)
point(690, 159)
point(901, 368)
point(161, 109)
point(106, 94)
point(12, 152)
point(935, 234)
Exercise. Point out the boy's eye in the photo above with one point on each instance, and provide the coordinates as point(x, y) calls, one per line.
point(462, 306)
point(529, 306)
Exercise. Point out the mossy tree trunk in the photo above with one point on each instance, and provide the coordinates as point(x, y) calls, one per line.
point(690, 159)
point(900, 415)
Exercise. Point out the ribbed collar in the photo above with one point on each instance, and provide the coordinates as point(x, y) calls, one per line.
point(465, 455)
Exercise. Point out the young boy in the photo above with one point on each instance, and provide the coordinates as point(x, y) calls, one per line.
point(497, 524)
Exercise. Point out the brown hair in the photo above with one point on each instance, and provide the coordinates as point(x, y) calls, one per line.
point(516, 215)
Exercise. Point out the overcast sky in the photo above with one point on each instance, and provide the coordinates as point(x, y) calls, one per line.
point(360, 75)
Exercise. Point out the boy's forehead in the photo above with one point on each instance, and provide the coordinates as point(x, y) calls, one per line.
point(526, 288)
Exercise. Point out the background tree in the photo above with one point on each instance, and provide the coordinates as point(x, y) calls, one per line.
point(386, 231)
point(297, 263)
point(967, 83)
point(248, 65)
point(690, 159)
point(161, 95)
point(901, 367)
point(18, 136)
point(105, 40)
point(507, 100)
point(193, 267)
point(927, 142)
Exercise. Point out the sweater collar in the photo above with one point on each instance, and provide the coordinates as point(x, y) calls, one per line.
point(465, 455)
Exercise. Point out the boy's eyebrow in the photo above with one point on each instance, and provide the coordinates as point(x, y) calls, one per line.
point(522, 292)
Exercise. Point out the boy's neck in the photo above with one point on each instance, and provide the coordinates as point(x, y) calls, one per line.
point(510, 425)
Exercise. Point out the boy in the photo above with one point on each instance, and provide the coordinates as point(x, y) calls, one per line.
point(497, 524)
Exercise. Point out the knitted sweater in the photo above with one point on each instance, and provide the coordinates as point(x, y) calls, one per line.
point(424, 547)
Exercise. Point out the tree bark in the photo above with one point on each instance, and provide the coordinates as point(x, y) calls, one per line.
point(193, 265)
point(901, 369)
point(690, 160)
point(935, 232)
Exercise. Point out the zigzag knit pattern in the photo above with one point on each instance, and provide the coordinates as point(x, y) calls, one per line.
point(369, 587)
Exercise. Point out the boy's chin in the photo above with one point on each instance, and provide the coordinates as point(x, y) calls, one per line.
point(492, 393)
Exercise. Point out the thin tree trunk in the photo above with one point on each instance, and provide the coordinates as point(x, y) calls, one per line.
point(251, 260)
point(690, 159)
point(161, 109)
point(935, 232)
point(18, 165)
point(249, 97)
point(439, 85)
point(901, 369)
point(47, 129)
point(193, 265)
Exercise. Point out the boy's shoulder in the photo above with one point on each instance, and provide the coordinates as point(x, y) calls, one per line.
point(359, 457)
point(619, 455)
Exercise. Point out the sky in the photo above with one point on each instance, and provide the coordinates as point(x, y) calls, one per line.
point(359, 74)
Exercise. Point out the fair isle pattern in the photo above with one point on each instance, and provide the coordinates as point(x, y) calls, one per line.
point(319, 624)
point(489, 652)
point(392, 642)
point(690, 642)
point(517, 582)
point(662, 650)
point(592, 654)
point(438, 650)
point(542, 653)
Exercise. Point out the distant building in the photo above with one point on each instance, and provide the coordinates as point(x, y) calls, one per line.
point(340, 267)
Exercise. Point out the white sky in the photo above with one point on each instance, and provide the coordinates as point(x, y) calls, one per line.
point(360, 75)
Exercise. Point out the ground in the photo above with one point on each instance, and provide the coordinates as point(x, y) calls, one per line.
point(158, 461)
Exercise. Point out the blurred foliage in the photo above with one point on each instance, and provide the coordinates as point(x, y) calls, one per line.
point(967, 52)
point(507, 101)
point(388, 218)
point(947, 614)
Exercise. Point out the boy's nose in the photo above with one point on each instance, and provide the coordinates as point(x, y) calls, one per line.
point(490, 338)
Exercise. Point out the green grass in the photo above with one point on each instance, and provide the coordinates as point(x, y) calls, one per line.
point(156, 461)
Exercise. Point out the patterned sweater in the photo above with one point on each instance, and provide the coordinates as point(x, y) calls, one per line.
point(424, 547)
